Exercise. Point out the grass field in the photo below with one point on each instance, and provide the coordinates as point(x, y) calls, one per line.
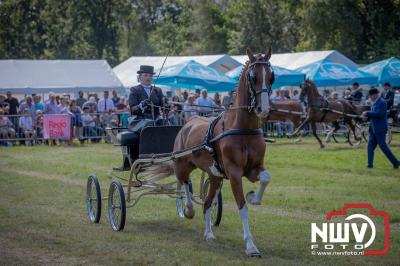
point(43, 215)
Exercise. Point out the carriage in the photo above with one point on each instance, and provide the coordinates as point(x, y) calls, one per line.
point(141, 149)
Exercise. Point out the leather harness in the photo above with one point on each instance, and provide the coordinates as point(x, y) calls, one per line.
point(210, 139)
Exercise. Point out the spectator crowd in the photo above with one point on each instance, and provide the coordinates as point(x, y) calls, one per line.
point(90, 115)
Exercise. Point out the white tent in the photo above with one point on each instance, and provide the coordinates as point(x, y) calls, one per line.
point(59, 76)
point(295, 60)
point(126, 71)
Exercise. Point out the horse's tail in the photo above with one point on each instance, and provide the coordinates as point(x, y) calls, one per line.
point(159, 171)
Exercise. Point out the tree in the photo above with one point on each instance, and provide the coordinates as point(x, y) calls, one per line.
point(21, 30)
point(260, 24)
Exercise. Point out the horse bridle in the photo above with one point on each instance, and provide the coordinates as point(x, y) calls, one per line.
point(304, 88)
point(250, 82)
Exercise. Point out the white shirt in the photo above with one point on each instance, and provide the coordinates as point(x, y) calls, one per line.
point(189, 110)
point(147, 90)
point(85, 120)
point(105, 105)
point(204, 102)
point(26, 123)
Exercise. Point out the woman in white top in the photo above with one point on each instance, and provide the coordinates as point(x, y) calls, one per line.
point(188, 109)
point(26, 124)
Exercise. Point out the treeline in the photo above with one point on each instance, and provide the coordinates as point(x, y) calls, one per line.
point(364, 30)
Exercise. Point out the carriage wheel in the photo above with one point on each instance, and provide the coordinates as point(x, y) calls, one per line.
point(365, 133)
point(351, 139)
point(216, 213)
point(116, 206)
point(93, 199)
point(342, 135)
point(388, 137)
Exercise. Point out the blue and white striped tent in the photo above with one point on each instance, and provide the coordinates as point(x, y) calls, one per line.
point(326, 73)
point(193, 75)
point(385, 71)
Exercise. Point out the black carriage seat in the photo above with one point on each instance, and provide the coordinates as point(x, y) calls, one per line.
point(132, 136)
point(127, 138)
point(157, 140)
point(130, 139)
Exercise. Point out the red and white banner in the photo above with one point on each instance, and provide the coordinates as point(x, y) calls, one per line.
point(57, 127)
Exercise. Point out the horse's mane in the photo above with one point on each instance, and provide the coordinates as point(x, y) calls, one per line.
point(241, 83)
point(314, 91)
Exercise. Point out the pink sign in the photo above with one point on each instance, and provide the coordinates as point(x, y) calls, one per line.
point(57, 127)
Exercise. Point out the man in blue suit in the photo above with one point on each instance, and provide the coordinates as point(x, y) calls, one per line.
point(378, 129)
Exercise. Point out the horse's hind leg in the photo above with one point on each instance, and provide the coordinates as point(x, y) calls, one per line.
point(215, 185)
point(314, 130)
point(182, 172)
point(336, 128)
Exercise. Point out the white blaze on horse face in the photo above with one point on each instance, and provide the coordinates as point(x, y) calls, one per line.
point(264, 95)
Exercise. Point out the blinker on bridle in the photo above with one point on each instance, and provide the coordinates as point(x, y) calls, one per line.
point(250, 80)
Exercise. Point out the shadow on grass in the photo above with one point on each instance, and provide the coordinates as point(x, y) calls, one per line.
point(230, 248)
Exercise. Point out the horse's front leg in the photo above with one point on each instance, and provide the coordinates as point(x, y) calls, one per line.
point(189, 210)
point(237, 189)
point(314, 130)
point(256, 199)
point(215, 185)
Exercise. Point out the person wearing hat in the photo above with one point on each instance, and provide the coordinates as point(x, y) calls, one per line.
point(356, 94)
point(388, 95)
point(143, 95)
point(378, 129)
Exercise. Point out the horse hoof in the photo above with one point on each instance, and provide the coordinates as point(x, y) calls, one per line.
point(250, 197)
point(298, 140)
point(189, 213)
point(253, 253)
point(209, 236)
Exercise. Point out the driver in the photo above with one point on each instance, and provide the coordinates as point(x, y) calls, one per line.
point(145, 102)
point(143, 95)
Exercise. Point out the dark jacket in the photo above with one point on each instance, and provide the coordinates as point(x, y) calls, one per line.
point(138, 94)
point(356, 96)
point(388, 96)
point(378, 117)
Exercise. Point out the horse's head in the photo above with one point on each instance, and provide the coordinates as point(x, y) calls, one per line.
point(307, 90)
point(259, 81)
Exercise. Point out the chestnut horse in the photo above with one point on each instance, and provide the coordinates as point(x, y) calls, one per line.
point(238, 155)
point(290, 110)
point(320, 110)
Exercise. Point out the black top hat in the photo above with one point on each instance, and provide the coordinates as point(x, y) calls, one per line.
point(387, 84)
point(373, 91)
point(146, 69)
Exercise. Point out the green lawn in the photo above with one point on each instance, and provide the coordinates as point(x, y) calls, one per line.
point(43, 215)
